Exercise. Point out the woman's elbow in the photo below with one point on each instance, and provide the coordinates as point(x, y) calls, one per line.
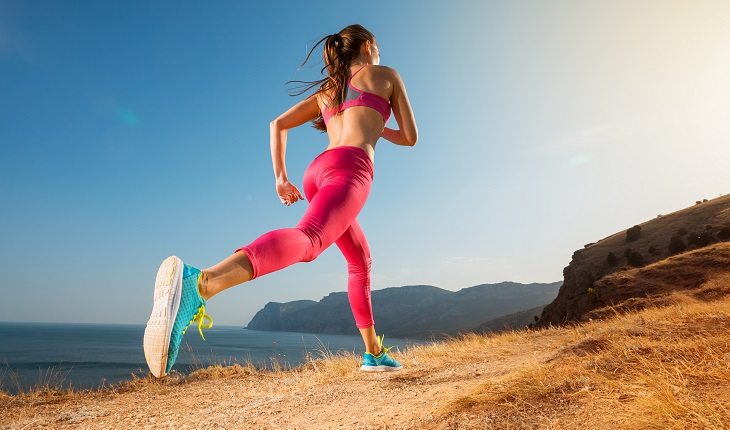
point(412, 139)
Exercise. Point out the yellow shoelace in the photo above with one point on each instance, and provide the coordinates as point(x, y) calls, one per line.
point(383, 349)
point(200, 318)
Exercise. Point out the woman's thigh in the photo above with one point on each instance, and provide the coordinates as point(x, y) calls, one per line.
point(336, 184)
point(331, 211)
point(354, 246)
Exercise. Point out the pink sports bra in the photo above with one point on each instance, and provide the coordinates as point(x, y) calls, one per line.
point(360, 98)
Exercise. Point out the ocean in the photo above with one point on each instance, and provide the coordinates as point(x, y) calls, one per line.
point(93, 355)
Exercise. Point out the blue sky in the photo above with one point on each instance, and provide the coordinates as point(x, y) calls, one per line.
point(134, 130)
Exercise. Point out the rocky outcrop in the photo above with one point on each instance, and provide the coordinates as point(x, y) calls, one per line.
point(271, 314)
point(605, 273)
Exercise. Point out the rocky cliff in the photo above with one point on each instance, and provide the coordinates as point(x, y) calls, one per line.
point(606, 272)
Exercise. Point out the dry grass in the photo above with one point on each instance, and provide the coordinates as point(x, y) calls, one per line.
point(661, 367)
point(51, 383)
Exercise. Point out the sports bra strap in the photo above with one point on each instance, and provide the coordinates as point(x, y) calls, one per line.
point(363, 66)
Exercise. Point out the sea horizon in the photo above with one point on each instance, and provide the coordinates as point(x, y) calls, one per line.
point(92, 355)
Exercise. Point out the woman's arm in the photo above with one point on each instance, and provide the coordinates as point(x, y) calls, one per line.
point(305, 110)
point(408, 133)
point(394, 136)
point(277, 137)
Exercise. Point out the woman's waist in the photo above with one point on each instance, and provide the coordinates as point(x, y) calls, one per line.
point(366, 148)
point(363, 137)
point(348, 157)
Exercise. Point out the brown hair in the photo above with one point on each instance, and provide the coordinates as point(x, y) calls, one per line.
point(339, 50)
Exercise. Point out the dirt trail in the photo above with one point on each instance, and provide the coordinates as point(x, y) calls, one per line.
point(662, 367)
point(409, 398)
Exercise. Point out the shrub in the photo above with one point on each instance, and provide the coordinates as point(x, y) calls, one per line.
point(697, 202)
point(627, 251)
point(633, 233)
point(700, 239)
point(636, 259)
point(653, 250)
point(724, 233)
point(611, 259)
point(676, 245)
point(708, 227)
point(682, 231)
point(705, 238)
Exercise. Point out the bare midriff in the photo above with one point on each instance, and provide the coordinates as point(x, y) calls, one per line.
point(359, 126)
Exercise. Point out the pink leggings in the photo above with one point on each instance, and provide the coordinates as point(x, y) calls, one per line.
point(336, 184)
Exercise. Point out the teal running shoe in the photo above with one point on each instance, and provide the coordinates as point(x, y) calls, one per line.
point(177, 304)
point(381, 362)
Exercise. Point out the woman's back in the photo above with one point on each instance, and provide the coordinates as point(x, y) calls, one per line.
point(365, 110)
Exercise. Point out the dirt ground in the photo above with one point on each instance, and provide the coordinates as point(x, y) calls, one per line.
point(664, 367)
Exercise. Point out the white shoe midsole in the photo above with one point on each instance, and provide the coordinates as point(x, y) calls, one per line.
point(381, 368)
point(167, 294)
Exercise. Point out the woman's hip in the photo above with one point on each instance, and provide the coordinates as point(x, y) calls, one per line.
point(341, 162)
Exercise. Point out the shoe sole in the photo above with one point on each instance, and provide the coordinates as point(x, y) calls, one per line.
point(168, 290)
point(379, 368)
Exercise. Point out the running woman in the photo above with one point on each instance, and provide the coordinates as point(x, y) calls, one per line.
point(352, 105)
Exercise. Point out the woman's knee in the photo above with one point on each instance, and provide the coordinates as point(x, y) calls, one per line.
point(316, 243)
point(359, 266)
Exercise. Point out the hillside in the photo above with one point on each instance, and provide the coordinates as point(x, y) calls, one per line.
point(666, 367)
point(412, 311)
point(511, 321)
point(594, 278)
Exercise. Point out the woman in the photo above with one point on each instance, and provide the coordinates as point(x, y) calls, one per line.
point(352, 104)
